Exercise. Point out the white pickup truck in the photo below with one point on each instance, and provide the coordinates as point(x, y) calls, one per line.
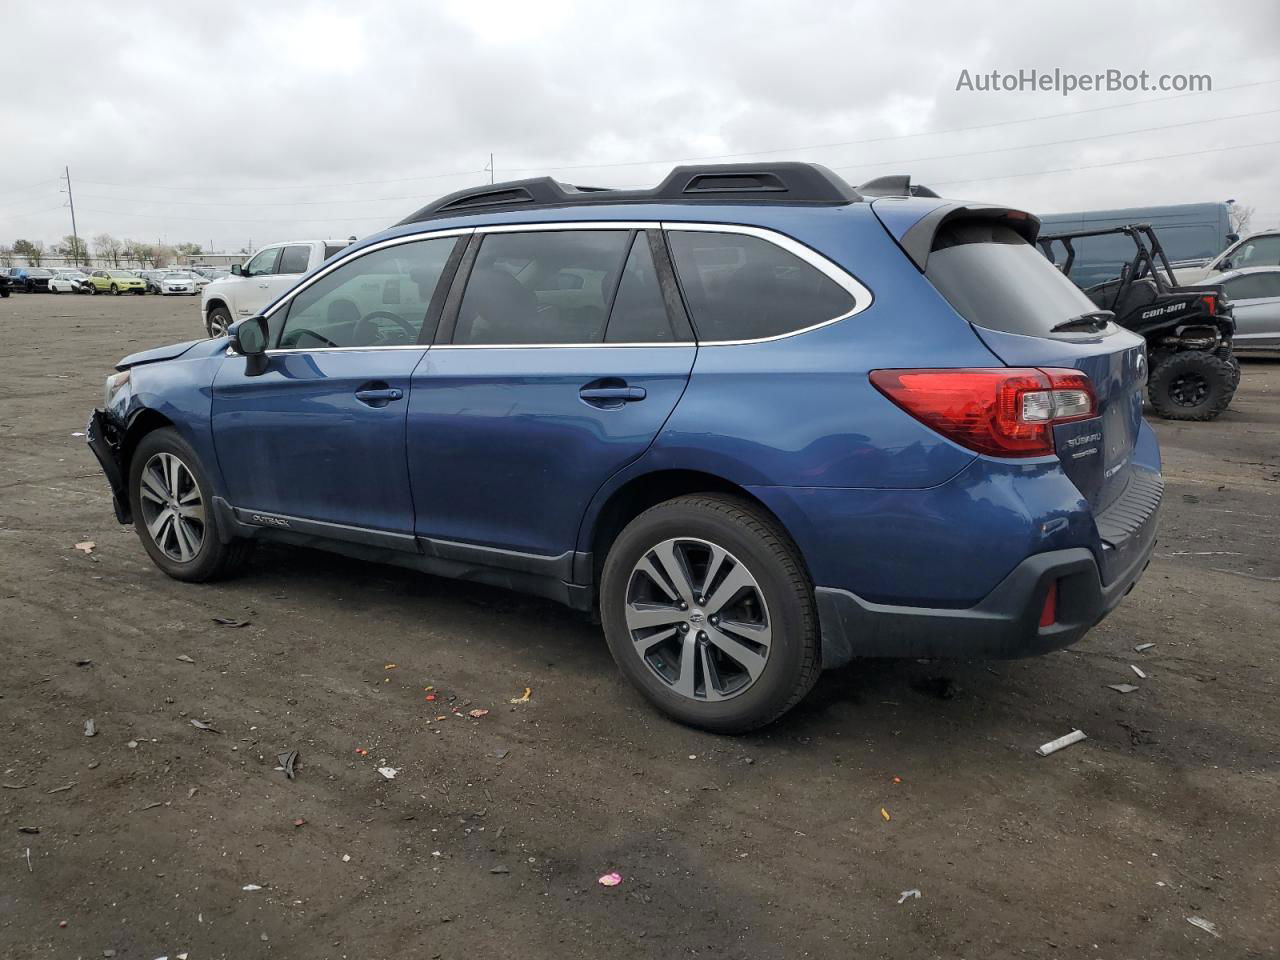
point(261, 279)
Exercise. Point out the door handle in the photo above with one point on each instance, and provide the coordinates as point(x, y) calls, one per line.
point(614, 394)
point(379, 398)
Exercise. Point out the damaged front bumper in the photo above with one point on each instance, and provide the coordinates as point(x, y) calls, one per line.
point(104, 438)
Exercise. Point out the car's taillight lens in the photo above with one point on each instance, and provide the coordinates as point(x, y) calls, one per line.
point(1001, 411)
point(1211, 304)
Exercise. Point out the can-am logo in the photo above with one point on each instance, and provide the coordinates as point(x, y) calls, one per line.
point(1160, 311)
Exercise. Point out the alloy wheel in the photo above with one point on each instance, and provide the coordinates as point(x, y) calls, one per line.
point(173, 507)
point(698, 619)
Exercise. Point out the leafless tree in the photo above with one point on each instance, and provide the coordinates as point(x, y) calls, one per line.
point(32, 250)
point(73, 248)
point(1241, 215)
point(108, 248)
point(6, 255)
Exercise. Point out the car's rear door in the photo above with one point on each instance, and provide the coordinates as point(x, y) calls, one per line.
point(316, 441)
point(1255, 303)
point(560, 357)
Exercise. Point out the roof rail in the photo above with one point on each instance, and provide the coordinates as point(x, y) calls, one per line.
point(894, 185)
point(778, 182)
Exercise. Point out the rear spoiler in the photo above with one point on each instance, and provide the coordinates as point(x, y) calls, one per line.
point(917, 241)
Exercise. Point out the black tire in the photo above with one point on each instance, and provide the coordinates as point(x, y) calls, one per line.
point(1192, 385)
point(1235, 369)
point(54, 290)
point(740, 527)
point(223, 316)
point(213, 559)
point(115, 291)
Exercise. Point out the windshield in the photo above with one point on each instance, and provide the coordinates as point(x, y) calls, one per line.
point(995, 279)
point(120, 275)
point(178, 275)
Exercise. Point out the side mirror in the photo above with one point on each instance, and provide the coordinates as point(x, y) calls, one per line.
point(236, 271)
point(249, 337)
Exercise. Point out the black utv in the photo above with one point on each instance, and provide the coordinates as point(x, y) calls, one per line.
point(1192, 372)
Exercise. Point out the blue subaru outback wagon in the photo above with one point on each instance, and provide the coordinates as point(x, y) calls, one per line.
point(759, 420)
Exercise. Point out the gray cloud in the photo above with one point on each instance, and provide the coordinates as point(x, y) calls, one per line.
point(225, 124)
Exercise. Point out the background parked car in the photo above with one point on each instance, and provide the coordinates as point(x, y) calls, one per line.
point(37, 280)
point(1255, 300)
point(116, 282)
point(153, 278)
point(1256, 250)
point(267, 274)
point(179, 282)
point(4, 282)
point(69, 281)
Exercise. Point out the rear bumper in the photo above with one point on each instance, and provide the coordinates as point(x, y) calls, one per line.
point(104, 440)
point(1004, 625)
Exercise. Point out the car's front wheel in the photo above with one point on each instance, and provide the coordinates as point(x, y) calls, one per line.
point(171, 499)
point(709, 611)
point(218, 322)
point(115, 291)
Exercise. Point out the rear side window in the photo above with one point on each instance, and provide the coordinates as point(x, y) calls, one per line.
point(1254, 286)
point(740, 287)
point(294, 260)
point(542, 287)
point(995, 279)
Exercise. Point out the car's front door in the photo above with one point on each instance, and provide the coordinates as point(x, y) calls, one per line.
point(257, 283)
point(316, 442)
point(557, 367)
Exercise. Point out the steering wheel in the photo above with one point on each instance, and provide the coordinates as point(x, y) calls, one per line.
point(358, 333)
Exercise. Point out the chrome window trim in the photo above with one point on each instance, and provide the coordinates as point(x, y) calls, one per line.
point(862, 297)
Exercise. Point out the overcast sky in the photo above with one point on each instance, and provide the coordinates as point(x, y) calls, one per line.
point(244, 123)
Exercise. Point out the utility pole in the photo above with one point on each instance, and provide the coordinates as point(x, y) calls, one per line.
point(490, 168)
point(75, 237)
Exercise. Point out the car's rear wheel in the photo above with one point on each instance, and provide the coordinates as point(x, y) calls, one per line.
point(1191, 385)
point(218, 322)
point(171, 499)
point(709, 611)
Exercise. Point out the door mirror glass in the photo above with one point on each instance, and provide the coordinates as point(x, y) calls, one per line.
point(250, 336)
point(235, 269)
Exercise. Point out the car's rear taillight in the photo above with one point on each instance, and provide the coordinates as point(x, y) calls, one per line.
point(999, 411)
point(1211, 304)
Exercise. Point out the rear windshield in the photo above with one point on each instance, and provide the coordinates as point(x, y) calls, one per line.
point(995, 279)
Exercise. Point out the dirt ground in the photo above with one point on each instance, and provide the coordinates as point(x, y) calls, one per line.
point(156, 838)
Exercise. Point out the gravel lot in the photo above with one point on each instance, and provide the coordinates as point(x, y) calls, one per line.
point(794, 842)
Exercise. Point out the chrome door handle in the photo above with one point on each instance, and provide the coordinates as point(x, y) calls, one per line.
point(379, 398)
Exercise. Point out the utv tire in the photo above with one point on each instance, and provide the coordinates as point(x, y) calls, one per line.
point(739, 577)
point(218, 321)
point(1192, 385)
point(171, 498)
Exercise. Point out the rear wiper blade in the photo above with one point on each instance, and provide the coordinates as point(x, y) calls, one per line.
point(1094, 320)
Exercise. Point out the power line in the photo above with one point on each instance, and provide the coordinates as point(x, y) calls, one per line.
point(280, 219)
point(721, 156)
point(1113, 163)
point(1056, 143)
point(877, 163)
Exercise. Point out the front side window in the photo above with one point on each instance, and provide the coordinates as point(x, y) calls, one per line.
point(740, 287)
point(294, 260)
point(262, 264)
point(542, 287)
point(380, 299)
point(1259, 252)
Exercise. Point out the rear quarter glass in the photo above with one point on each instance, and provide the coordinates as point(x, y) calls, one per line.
point(996, 279)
